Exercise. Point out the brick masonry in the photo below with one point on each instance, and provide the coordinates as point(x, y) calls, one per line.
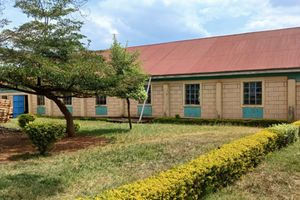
point(231, 99)
point(208, 103)
point(275, 100)
point(298, 101)
point(275, 105)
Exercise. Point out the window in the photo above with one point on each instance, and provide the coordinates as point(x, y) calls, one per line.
point(192, 94)
point(101, 100)
point(40, 100)
point(253, 93)
point(148, 100)
point(4, 97)
point(67, 100)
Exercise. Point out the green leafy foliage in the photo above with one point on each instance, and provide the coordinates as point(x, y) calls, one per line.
point(24, 119)
point(47, 55)
point(43, 135)
point(238, 122)
point(77, 127)
point(209, 172)
point(129, 77)
point(284, 133)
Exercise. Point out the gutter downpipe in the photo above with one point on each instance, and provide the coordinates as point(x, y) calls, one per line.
point(143, 107)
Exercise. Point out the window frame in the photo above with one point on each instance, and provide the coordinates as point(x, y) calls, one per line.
point(199, 96)
point(64, 99)
point(96, 101)
point(37, 100)
point(262, 93)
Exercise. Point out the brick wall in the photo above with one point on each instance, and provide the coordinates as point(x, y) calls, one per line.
point(176, 98)
point(231, 99)
point(275, 98)
point(32, 101)
point(115, 107)
point(76, 104)
point(90, 107)
point(208, 104)
point(133, 108)
point(157, 100)
point(298, 101)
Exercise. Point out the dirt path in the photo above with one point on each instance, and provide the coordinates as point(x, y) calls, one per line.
point(14, 145)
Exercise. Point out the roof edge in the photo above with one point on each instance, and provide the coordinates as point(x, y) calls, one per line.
point(233, 73)
point(211, 37)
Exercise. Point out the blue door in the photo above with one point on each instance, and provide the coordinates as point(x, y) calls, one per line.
point(18, 105)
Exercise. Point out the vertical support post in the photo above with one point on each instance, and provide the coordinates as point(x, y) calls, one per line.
point(166, 100)
point(142, 111)
point(291, 99)
point(83, 107)
point(219, 99)
point(30, 104)
point(49, 107)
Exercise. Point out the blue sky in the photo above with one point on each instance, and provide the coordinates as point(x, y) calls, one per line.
point(141, 22)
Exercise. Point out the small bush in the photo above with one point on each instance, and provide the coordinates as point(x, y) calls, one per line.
point(286, 134)
point(236, 122)
point(24, 119)
point(44, 135)
point(77, 127)
point(209, 172)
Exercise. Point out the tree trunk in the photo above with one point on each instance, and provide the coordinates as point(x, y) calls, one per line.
point(68, 116)
point(128, 113)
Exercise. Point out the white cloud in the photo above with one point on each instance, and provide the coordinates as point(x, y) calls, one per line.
point(270, 17)
point(150, 21)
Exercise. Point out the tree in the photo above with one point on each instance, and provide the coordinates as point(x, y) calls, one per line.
point(129, 77)
point(46, 56)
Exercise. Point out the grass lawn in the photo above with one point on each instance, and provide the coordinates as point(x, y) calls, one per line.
point(131, 155)
point(278, 177)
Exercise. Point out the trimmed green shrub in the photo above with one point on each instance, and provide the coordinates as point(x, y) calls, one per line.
point(24, 119)
point(209, 172)
point(237, 122)
point(44, 135)
point(284, 133)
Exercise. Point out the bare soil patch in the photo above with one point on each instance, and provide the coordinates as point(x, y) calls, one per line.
point(15, 145)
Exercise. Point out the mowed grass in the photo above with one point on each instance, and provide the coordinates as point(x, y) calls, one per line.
point(130, 155)
point(278, 177)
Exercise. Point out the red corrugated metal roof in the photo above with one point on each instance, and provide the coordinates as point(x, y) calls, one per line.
point(276, 49)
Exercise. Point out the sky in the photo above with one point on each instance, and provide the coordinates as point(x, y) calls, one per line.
point(140, 22)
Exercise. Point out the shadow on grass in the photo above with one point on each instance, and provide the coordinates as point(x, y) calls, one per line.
point(103, 131)
point(24, 156)
point(28, 156)
point(29, 186)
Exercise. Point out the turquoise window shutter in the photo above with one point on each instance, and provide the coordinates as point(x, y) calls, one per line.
point(192, 111)
point(253, 112)
point(147, 110)
point(101, 110)
point(70, 108)
point(41, 110)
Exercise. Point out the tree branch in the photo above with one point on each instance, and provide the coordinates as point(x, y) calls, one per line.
point(18, 89)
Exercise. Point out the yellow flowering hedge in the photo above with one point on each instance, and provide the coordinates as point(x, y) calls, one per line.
point(209, 172)
point(297, 123)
